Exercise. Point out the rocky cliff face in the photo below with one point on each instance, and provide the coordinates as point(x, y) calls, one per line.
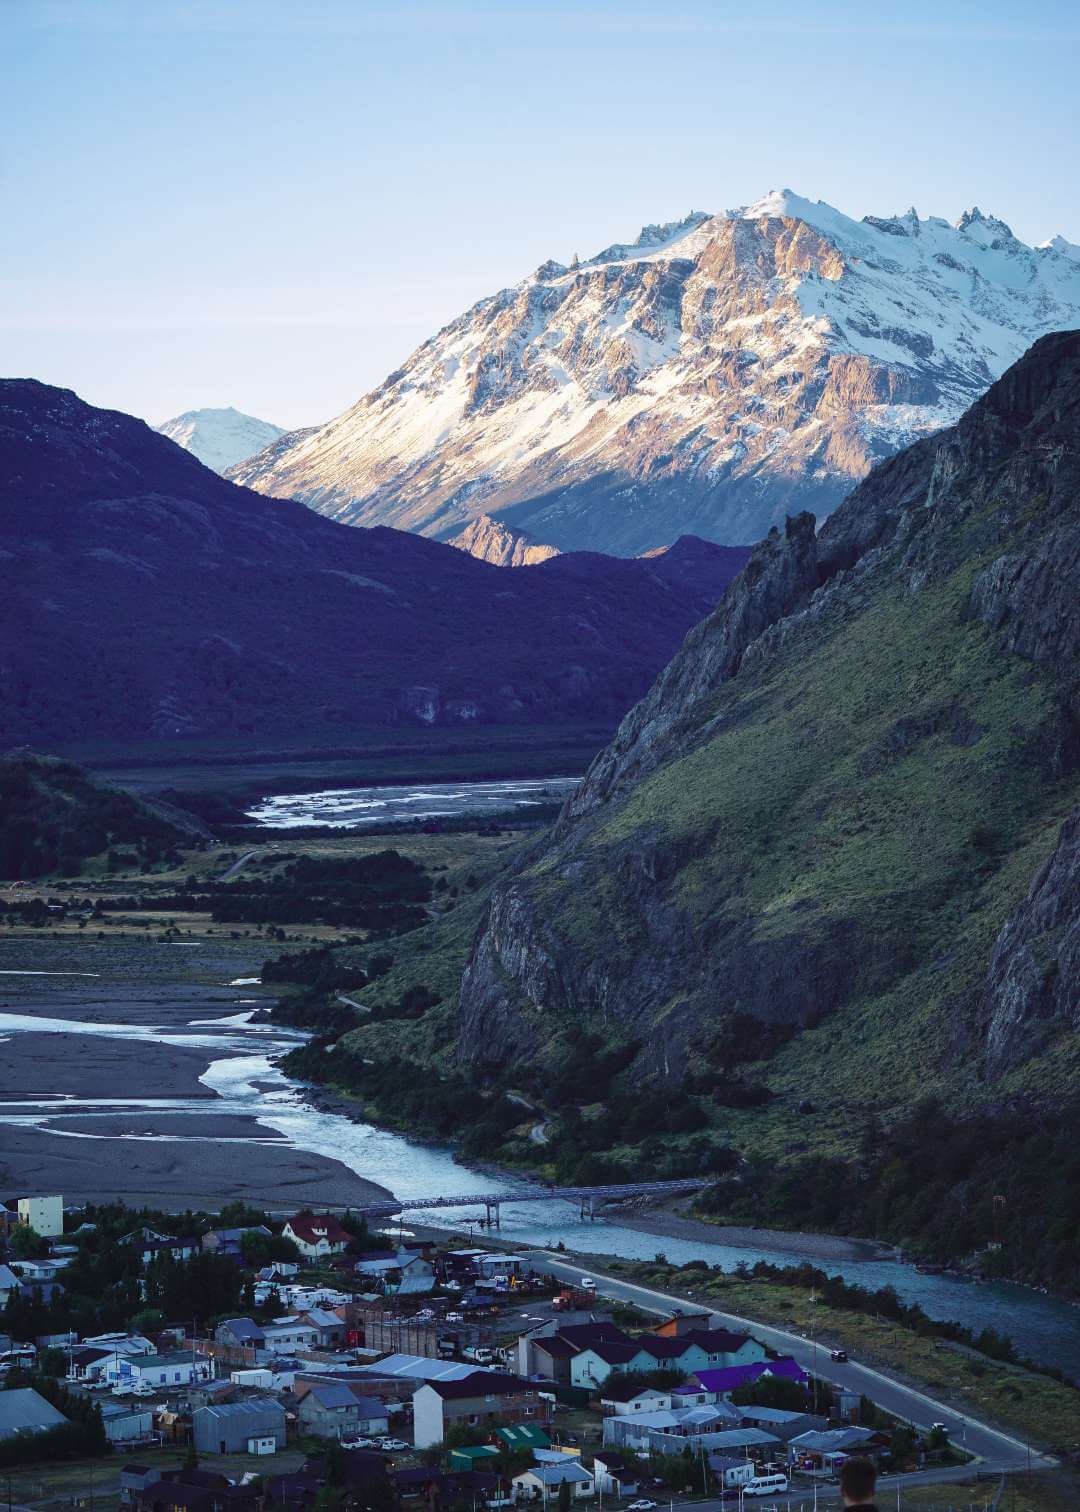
point(832, 800)
point(1033, 984)
point(491, 541)
point(712, 377)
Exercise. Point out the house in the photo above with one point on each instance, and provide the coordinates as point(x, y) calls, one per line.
point(134, 1478)
point(646, 1400)
point(786, 1425)
point(405, 1273)
point(192, 1491)
point(543, 1481)
point(484, 1399)
point(552, 1352)
point(472, 1456)
point(522, 1436)
point(150, 1250)
point(9, 1284)
point(127, 1422)
point(591, 1367)
point(682, 1323)
point(87, 1364)
point(719, 1384)
point(23, 1410)
point(338, 1409)
point(332, 1330)
point(239, 1333)
point(317, 1235)
point(682, 1424)
point(231, 1241)
point(731, 1472)
point(45, 1215)
point(825, 1449)
point(289, 1333)
point(172, 1368)
point(231, 1427)
point(615, 1474)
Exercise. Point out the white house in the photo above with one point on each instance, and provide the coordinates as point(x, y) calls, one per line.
point(169, 1369)
point(317, 1235)
point(615, 1474)
point(542, 1482)
point(646, 1400)
point(45, 1215)
point(290, 1333)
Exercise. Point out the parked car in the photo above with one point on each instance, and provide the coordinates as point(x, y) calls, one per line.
point(454, 1317)
point(393, 1445)
point(643, 1504)
point(839, 1355)
point(588, 1284)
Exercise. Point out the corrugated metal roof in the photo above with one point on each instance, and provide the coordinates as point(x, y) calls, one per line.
point(23, 1410)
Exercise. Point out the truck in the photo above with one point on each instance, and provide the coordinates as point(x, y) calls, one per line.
point(478, 1353)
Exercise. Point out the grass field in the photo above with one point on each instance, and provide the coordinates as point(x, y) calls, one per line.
point(97, 1482)
point(464, 861)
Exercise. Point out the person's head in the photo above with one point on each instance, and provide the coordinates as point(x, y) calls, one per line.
point(857, 1480)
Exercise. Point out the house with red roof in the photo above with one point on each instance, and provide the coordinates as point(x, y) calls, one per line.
point(317, 1234)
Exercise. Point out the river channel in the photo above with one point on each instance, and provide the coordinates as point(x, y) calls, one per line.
point(242, 1082)
point(339, 808)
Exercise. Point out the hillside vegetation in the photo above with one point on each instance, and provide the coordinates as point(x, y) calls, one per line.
point(827, 867)
point(53, 816)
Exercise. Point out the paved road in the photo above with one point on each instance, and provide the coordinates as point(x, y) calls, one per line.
point(995, 1450)
point(235, 867)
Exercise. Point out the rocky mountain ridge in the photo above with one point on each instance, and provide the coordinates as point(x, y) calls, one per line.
point(846, 813)
point(145, 596)
point(712, 377)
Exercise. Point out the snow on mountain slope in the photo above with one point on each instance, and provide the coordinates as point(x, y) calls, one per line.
point(712, 376)
point(220, 438)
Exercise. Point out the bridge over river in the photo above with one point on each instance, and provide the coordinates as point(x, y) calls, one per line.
point(587, 1198)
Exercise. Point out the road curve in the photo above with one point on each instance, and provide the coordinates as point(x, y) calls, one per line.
point(997, 1451)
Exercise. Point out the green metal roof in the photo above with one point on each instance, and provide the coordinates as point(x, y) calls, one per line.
point(524, 1436)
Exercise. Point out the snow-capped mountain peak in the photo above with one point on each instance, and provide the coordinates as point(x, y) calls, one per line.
point(1059, 244)
point(220, 438)
point(708, 377)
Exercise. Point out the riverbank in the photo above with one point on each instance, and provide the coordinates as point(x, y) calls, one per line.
point(670, 1222)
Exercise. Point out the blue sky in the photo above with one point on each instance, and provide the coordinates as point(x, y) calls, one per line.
point(271, 204)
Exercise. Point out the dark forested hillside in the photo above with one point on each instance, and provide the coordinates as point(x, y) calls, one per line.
point(143, 595)
point(53, 816)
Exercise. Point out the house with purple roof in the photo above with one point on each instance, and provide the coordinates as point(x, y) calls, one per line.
point(719, 1384)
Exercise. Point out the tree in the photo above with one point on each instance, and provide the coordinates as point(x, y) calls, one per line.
point(903, 1445)
point(52, 1362)
point(564, 1496)
point(25, 1244)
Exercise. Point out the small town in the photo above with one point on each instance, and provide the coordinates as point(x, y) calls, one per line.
point(246, 1364)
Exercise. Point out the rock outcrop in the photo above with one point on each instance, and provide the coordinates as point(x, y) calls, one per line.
point(1033, 986)
point(491, 541)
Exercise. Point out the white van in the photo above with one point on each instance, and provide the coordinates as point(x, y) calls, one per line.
point(765, 1485)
